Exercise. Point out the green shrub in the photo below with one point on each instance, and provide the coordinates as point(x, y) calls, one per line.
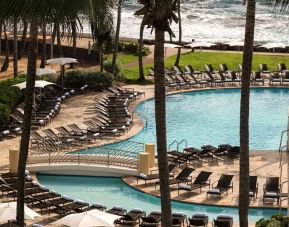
point(132, 48)
point(95, 80)
point(10, 96)
point(107, 65)
point(279, 220)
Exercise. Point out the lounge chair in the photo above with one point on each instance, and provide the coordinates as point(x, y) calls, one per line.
point(198, 219)
point(257, 78)
point(264, 71)
point(275, 78)
point(224, 69)
point(155, 176)
point(223, 220)
point(233, 75)
point(132, 217)
point(153, 219)
point(210, 79)
point(253, 187)
point(170, 83)
point(234, 152)
point(224, 78)
point(182, 177)
point(271, 189)
point(209, 68)
point(96, 206)
point(179, 219)
point(222, 150)
point(117, 210)
point(202, 180)
point(285, 79)
point(223, 185)
point(282, 69)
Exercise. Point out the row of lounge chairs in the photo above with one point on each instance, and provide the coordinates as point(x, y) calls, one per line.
point(207, 152)
point(179, 78)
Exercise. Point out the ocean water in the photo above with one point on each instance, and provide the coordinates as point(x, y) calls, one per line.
point(215, 21)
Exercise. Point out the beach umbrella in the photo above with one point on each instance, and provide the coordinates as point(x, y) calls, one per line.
point(43, 71)
point(200, 45)
point(273, 45)
point(8, 212)
point(235, 44)
point(61, 62)
point(38, 84)
point(90, 218)
point(171, 45)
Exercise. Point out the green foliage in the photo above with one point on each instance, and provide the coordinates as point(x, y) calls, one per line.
point(95, 80)
point(10, 96)
point(279, 220)
point(132, 48)
point(107, 65)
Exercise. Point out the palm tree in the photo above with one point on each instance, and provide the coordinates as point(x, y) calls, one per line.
point(140, 47)
point(6, 60)
point(43, 55)
point(15, 47)
point(180, 33)
point(23, 39)
point(244, 114)
point(158, 15)
point(116, 39)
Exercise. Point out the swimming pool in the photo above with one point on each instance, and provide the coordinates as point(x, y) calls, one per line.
point(212, 117)
point(113, 191)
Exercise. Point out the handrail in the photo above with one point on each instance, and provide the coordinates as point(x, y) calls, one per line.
point(182, 141)
point(281, 140)
point(142, 116)
point(171, 144)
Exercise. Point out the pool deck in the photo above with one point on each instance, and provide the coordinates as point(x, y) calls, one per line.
point(262, 163)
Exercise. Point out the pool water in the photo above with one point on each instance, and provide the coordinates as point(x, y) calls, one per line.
point(212, 117)
point(113, 191)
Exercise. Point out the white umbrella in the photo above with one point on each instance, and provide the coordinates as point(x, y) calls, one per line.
point(273, 45)
point(38, 83)
point(236, 44)
point(62, 62)
point(92, 218)
point(8, 212)
point(200, 44)
point(171, 45)
point(43, 71)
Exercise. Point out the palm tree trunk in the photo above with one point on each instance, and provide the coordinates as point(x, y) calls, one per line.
point(115, 51)
point(58, 36)
point(6, 60)
point(15, 48)
point(74, 41)
point(140, 47)
point(43, 55)
point(180, 33)
point(23, 40)
point(0, 37)
point(101, 59)
point(244, 114)
point(25, 138)
point(52, 41)
point(160, 118)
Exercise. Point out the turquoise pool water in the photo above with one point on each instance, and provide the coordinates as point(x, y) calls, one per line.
point(112, 192)
point(212, 117)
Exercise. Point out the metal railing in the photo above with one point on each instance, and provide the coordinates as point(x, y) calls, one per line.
point(125, 154)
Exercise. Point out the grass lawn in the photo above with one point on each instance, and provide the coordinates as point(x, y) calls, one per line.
point(198, 59)
point(124, 58)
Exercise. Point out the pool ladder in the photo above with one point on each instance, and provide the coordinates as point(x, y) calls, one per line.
point(282, 148)
point(178, 143)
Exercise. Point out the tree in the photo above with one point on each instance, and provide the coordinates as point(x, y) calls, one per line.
point(180, 33)
point(43, 55)
point(15, 47)
point(244, 114)
point(23, 39)
point(140, 47)
point(116, 39)
point(6, 60)
point(159, 15)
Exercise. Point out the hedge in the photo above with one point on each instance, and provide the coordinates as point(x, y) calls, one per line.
point(10, 97)
point(95, 80)
point(279, 220)
point(132, 48)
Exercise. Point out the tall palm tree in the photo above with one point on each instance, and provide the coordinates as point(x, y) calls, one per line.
point(23, 39)
point(15, 47)
point(180, 33)
point(244, 114)
point(7, 52)
point(140, 47)
point(117, 31)
point(43, 55)
point(159, 15)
